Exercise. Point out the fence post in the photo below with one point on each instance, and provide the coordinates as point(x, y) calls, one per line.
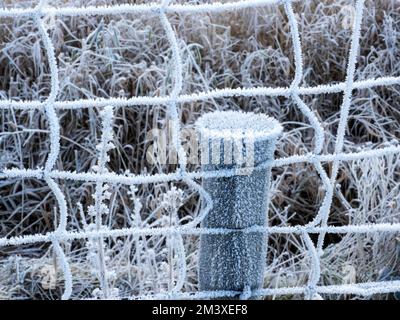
point(238, 142)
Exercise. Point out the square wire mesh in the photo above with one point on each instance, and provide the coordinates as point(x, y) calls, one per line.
point(317, 226)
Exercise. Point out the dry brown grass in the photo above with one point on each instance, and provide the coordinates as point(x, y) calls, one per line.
point(125, 56)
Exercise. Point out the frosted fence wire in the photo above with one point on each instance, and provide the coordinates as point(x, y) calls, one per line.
point(317, 226)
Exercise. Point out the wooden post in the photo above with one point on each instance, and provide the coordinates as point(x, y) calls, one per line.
point(235, 260)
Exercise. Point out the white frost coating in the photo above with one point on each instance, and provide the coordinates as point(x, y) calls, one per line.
point(236, 124)
point(344, 112)
point(235, 260)
point(298, 60)
point(100, 209)
point(319, 140)
point(177, 88)
point(54, 125)
point(362, 289)
point(138, 8)
point(145, 179)
point(316, 226)
point(173, 114)
point(71, 235)
point(206, 95)
point(178, 241)
point(65, 268)
point(315, 271)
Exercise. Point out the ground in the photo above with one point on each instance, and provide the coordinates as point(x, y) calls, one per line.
point(128, 55)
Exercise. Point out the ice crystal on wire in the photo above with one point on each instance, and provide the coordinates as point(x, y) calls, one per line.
point(101, 196)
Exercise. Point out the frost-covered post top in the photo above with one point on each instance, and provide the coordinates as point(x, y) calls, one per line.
point(237, 124)
point(236, 138)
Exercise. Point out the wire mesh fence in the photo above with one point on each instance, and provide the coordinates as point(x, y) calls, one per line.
point(319, 225)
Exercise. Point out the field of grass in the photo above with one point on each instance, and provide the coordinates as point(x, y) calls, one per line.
point(128, 55)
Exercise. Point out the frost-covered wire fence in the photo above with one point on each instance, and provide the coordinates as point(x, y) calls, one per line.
point(172, 101)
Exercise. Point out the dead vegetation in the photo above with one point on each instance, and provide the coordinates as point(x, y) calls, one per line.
point(125, 56)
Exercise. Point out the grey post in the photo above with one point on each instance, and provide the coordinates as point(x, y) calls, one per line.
point(239, 142)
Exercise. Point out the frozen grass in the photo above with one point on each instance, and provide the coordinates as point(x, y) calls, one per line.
point(129, 55)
